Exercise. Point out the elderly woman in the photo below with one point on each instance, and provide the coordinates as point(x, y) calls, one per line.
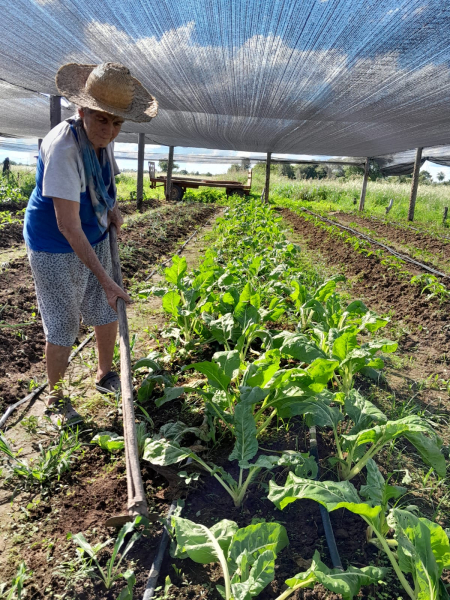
point(67, 220)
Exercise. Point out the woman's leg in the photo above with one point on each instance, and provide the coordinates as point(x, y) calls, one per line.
point(57, 359)
point(106, 338)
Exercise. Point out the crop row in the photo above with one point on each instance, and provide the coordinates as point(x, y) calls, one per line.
point(248, 284)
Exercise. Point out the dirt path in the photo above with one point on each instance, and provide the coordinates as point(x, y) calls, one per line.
point(97, 489)
point(422, 327)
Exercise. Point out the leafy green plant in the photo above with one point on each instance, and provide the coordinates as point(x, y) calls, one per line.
point(109, 440)
point(431, 285)
point(246, 556)
point(15, 588)
point(423, 546)
point(165, 452)
point(370, 432)
point(347, 583)
point(111, 572)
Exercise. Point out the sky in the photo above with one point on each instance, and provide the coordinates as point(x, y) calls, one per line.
point(28, 158)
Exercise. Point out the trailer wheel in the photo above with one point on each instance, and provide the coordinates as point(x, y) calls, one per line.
point(177, 193)
point(235, 192)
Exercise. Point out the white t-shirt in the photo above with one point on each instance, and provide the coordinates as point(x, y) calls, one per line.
point(63, 164)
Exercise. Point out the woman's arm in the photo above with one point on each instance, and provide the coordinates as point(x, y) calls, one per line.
point(69, 224)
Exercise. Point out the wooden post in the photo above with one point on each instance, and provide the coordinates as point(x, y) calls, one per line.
point(169, 175)
point(39, 143)
point(362, 199)
point(55, 111)
point(391, 204)
point(267, 186)
point(140, 172)
point(415, 184)
point(444, 218)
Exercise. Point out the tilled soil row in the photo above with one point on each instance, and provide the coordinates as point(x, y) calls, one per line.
point(142, 243)
point(427, 322)
point(402, 239)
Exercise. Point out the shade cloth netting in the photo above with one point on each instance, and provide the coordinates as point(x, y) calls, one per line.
point(332, 77)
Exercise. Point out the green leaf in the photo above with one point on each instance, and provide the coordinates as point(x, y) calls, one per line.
point(332, 495)
point(252, 395)
point(170, 393)
point(263, 369)
point(377, 490)
point(345, 344)
point(300, 347)
point(262, 572)
point(325, 290)
point(381, 434)
point(257, 539)
point(322, 369)
point(323, 415)
point(429, 449)
point(164, 452)
point(147, 362)
point(216, 377)
point(246, 445)
point(362, 412)
point(109, 440)
point(347, 583)
point(175, 273)
point(222, 329)
point(195, 539)
point(229, 362)
point(246, 315)
point(170, 302)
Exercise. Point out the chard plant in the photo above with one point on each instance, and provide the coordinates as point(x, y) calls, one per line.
point(370, 432)
point(346, 583)
point(246, 556)
point(166, 452)
point(422, 550)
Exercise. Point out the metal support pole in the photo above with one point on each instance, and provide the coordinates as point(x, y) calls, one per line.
point(140, 171)
point(362, 199)
point(415, 184)
point(169, 175)
point(55, 111)
point(267, 186)
point(39, 143)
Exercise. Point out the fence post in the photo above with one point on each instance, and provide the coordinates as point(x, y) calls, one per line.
point(140, 172)
point(362, 199)
point(267, 186)
point(444, 218)
point(55, 111)
point(415, 184)
point(169, 175)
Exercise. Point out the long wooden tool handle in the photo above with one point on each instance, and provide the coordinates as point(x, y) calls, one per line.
point(137, 503)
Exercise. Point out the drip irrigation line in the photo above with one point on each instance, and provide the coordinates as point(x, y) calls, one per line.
point(407, 228)
point(36, 392)
point(180, 249)
point(372, 241)
point(327, 526)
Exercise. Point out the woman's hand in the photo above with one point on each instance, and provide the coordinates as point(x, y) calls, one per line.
point(114, 291)
point(115, 216)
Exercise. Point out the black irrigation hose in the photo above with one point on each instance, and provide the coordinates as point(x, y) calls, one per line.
point(408, 228)
point(328, 528)
point(372, 241)
point(35, 393)
point(181, 248)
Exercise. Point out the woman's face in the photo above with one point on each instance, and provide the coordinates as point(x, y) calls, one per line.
point(101, 128)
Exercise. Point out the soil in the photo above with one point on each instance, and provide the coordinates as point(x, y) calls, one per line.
point(142, 242)
point(10, 234)
point(402, 238)
point(426, 324)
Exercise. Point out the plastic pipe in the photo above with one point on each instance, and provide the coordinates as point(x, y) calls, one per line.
point(328, 528)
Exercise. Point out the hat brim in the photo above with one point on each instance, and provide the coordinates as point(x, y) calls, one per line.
point(71, 80)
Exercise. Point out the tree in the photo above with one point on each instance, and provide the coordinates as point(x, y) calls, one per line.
point(287, 171)
point(245, 164)
point(306, 172)
point(440, 176)
point(425, 177)
point(163, 165)
point(183, 172)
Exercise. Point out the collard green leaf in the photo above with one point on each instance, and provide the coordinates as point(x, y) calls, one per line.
point(175, 273)
point(429, 449)
point(345, 344)
point(332, 495)
point(170, 302)
point(381, 434)
point(147, 362)
point(301, 348)
point(195, 539)
point(109, 440)
point(266, 367)
point(229, 362)
point(222, 328)
point(246, 445)
point(362, 412)
point(252, 395)
point(256, 539)
point(164, 452)
point(246, 315)
point(322, 369)
point(377, 491)
point(216, 377)
point(322, 414)
point(262, 572)
point(170, 393)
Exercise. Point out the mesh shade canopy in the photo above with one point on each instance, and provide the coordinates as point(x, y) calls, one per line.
point(332, 77)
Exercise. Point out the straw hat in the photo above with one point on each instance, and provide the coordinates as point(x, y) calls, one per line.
point(108, 87)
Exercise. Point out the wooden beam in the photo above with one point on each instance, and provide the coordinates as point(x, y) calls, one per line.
point(140, 171)
point(267, 186)
point(55, 111)
point(415, 184)
point(169, 175)
point(362, 199)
